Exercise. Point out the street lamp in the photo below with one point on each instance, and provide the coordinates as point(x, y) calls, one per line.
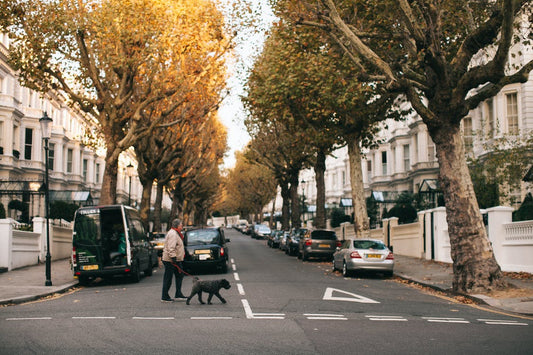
point(129, 170)
point(304, 210)
point(45, 122)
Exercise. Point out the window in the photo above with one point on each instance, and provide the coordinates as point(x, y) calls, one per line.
point(51, 155)
point(2, 134)
point(369, 168)
point(490, 124)
point(28, 140)
point(384, 163)
point(512, 113)
point(467, 134)
point(406, 158)
point(70, 154)
point(431, 151)
point(84, 172)
point(97, 173)
point(343, 178)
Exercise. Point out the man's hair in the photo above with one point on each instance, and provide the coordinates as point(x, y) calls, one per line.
point(176, 223)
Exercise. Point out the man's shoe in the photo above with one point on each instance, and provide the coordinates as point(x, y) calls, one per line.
point(180, 296)
point(167, 300)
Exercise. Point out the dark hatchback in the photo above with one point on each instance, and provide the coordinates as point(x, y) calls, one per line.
point(206, 249)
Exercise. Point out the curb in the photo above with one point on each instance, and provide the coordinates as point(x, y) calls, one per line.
point(27, 298)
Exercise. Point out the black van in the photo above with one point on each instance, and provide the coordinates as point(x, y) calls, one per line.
point(108, 241)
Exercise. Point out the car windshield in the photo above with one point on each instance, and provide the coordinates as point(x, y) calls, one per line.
point(263, 228)
point(201, 237)
point(326, 235)
point(368, 244)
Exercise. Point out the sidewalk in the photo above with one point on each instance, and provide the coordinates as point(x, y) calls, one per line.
point(27, 284)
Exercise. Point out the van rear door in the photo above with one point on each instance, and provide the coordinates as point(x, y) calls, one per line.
point(87, 240)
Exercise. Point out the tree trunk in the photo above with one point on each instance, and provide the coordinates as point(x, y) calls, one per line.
point(361, 223)
point(474, 265)
point(272, 221)
point(320, 168)
point(145, 204)
point(295, 202)
point(157, 206)
point(108, 193)
point(285, 209)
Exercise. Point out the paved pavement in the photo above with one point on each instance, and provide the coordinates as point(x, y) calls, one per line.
point(27, 284)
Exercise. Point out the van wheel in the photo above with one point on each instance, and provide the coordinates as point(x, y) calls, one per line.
point(136, 272)
point(149, 271)
point(83, 280)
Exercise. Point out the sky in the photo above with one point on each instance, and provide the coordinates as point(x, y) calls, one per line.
point(231, 112)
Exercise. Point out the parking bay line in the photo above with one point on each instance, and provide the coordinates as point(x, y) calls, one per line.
point(387, 318)
point(313, 316)
point(252, 315)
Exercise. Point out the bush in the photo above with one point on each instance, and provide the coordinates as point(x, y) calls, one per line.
point(337, 217)
point(63, 210)
point(403, 209)
point(2, 211)
point(525, 212)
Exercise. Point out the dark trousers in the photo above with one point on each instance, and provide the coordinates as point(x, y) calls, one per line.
point(167, 278)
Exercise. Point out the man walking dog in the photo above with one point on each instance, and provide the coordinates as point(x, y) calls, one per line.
point(173, 254)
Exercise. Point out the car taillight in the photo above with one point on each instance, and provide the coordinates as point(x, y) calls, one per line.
point(338, 243)
point(390, 257)
point(74, 263)
point(355, 255)
point(221, 251)
point(308, 242)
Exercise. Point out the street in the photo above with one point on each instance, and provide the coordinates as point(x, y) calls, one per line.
point(277, 305)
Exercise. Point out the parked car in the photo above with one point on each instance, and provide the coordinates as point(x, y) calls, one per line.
point(363, 254)
point(158, 242)
point(109, 241)
point(293, 241)
point(318, 243)
point(283, 240)
point(275, 238)
point(206, 249)
point(260, 231)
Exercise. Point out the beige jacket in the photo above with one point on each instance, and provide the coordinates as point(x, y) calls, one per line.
point(173, 246)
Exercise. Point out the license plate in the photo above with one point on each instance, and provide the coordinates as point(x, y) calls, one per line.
point(373, 256)
point(202, 251)
point(204, 256)
point(323, 245)
point(89, 267)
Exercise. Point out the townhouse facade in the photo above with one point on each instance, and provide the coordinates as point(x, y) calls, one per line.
point(76, 166)
point(406, 159)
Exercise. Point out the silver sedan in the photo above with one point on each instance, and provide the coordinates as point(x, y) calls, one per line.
point(363, 254)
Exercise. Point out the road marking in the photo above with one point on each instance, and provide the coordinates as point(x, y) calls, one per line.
point(236, 276)
point(501, 322)
point(94, 317)
point(241, 289)
point(36, 318)
point(388, 318)
point(210, 318)
point(445, 320)
point(328, 295)
point(252, 315)
point(232, 260)
point(153, 318)
point(313, 316)
point(234, 267)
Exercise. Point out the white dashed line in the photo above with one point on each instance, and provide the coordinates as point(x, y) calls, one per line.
point(210, 318)
point(94, 317)
point(236, 276)
point(501, 322)
point(445, 320)
point(241, 289)
point(153, 318)
point(313, 316)
point(36, 318)
point(388, 318)
point(234, 267)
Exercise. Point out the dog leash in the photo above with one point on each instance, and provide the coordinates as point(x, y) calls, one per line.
point(180, 269)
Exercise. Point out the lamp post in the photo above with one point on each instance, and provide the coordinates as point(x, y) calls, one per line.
point(303, 200)
point(129, 170)
point(45, 122)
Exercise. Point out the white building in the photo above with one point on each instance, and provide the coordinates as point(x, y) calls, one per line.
point(75, 168)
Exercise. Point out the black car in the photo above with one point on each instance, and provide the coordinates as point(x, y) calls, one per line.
point(206, 249)
point(293, 241)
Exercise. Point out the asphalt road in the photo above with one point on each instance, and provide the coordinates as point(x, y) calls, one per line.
point(277, 305)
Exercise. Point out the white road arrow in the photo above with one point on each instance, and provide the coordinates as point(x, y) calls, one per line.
point(328, 295)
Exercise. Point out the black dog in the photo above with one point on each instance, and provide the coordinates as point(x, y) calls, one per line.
point(212, 287)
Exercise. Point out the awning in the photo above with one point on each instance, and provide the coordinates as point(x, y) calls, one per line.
point(346, 202)
point(429, 185)
point(73, 196)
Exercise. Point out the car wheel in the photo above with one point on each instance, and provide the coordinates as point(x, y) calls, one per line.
point(389, 273)
point(345, 271)
point(136, 277)
point(333, 268)
point(149, 271)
